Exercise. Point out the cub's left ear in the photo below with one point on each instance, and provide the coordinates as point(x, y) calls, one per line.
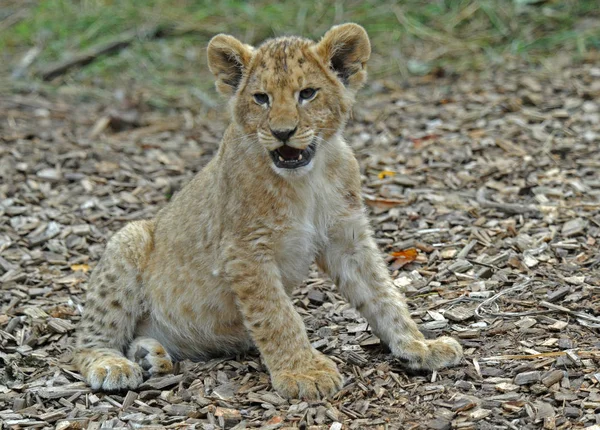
point(346, 49)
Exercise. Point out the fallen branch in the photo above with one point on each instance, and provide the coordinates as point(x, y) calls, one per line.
point(13, 19)
point(121, 42)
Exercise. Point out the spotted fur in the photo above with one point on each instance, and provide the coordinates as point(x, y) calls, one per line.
point(213, 271)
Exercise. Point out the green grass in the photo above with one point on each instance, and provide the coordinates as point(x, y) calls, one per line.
point(409, 37)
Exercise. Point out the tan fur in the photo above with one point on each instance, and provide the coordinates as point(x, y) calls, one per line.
point(212, 273)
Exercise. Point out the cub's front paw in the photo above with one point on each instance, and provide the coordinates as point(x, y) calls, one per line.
point(430, 354)
point(114, 374)
point(316, 379)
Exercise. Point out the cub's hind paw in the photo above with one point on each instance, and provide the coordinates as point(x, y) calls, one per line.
point(317, 379)
point(430, 354)
point(151, 356)
point(114, 374)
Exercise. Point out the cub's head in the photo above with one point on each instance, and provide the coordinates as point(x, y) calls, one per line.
point(290, 95)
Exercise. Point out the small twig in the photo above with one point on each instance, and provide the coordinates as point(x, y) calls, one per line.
point(452, 302)
point(551, 307)
point(511, 208)
point(580, 315)
point(500, 294)
point(582, 354)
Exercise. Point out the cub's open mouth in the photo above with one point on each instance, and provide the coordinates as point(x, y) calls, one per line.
point(287, 157)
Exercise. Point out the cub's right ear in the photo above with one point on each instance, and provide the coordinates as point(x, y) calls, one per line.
point(227, 59)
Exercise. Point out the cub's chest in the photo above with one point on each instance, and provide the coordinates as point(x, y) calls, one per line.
point(295, 251)
point(301, 239)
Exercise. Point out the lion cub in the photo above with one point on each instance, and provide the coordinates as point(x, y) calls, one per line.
point(212, 273)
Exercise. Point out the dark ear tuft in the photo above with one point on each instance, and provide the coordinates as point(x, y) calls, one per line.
point(346, 49)
point(227, 59)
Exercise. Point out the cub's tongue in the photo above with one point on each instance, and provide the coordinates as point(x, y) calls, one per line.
point(289, 153)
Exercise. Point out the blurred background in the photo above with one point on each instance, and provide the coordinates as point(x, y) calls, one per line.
point(157, 47)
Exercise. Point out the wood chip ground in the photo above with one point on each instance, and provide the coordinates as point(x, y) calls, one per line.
point(492, 180)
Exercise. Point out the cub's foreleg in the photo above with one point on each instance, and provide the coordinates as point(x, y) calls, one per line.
point(114, 304)
point(296, 368)
point(355, 264)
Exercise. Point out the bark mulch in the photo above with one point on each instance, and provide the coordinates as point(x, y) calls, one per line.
point(484, 192)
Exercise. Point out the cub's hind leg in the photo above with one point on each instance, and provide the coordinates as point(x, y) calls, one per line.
point(114, 304)
point(150, 355)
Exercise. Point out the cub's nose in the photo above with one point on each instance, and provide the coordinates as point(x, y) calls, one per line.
point(283, 135)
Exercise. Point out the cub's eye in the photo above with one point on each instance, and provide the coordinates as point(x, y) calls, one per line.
point(307, 94)
point(261, 98)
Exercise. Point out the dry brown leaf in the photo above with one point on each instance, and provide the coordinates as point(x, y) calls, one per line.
point(275, 420)
point(402, 258)
point(62, 312)
point(407, 255)
point(382, 203)
point(418, 141)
